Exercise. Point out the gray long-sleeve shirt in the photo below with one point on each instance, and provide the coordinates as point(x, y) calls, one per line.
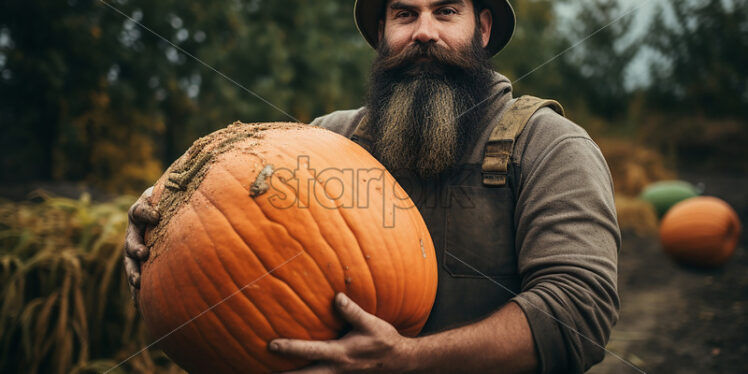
point(549, 242)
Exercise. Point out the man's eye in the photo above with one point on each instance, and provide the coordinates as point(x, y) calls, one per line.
point(446, 11)
point(403, 14)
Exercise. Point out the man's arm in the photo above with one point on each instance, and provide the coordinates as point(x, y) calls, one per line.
point(502, 341)
point(567, 243)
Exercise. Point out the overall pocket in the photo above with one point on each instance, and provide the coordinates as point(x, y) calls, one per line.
point(479, 233)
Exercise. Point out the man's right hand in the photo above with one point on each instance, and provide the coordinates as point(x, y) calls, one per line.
point(140, 216)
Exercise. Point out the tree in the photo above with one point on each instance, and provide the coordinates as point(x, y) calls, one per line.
point(595, 70)
point(703, 45)
point(699, 85)
point(87, 93)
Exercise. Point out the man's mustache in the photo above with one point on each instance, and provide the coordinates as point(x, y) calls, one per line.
point(418, 56)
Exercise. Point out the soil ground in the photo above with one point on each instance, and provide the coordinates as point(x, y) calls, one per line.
point(676, 319)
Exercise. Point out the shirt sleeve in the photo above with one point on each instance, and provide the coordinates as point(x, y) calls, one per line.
point(567, 244)
point(342, 122)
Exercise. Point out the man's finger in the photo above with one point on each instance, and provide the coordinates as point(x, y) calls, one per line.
point(134, 246)
point(308, 349)
point(355, 315)
point(142, 213)
point(132, 269)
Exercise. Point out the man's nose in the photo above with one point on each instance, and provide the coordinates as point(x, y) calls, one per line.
point(425, 30)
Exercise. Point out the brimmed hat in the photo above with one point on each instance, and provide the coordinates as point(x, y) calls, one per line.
point(369, 12)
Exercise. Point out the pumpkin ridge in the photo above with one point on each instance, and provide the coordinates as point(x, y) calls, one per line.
point(418, 267)
point(266, 272)
point(311, 259)
point(319, 230)
point(424, 294)
point(259, 311)
point(223, 299)
point(190, 320)
point(294, 293)
point(402, 266)
point(379, 293)
point(368, 266)
point(299, 242)
point(395, 255)
point(386, 256)
point(329, 246)
point(173, 332)
point(352, 232)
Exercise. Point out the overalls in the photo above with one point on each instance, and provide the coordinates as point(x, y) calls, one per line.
point(470, 216)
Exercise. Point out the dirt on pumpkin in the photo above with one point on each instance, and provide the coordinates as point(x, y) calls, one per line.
point(186, 174)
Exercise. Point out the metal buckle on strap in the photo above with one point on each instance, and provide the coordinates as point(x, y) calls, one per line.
point(496, 162)
point(493, 178)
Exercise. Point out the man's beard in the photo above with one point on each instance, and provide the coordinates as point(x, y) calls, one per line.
point(424, 114)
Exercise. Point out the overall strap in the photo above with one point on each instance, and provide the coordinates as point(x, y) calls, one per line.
point(500, 143)
point(361, 134)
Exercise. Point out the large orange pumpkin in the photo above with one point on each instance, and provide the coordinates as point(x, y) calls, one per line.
point(701, 231)
point(261, 225)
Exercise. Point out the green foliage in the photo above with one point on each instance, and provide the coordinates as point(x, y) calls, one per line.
point(704, 44)
point(65, 117)
point(546, 58)
point(535, 42)
point(88, 94)
point(697, 104)
point(595, 72)
point(65, 304)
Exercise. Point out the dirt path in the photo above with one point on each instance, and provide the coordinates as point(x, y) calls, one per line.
point(681, 320)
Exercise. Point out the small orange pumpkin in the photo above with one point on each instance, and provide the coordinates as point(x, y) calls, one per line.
point(700, 231)
point(261, 226)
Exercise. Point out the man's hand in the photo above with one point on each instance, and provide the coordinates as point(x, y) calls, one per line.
point(372, 346)
point(141, 215)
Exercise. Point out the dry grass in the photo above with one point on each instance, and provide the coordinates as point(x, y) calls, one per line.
point(633, 166)
point(65, 306)
point(637, 215)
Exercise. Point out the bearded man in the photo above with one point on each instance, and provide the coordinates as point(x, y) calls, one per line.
point(527, 252)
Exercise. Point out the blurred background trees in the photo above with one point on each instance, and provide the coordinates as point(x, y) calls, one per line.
point(697, 101)
point(87, 94)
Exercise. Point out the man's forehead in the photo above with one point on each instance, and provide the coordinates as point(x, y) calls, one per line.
point(428, 3)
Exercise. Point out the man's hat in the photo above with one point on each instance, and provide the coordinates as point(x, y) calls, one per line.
point(369, 12)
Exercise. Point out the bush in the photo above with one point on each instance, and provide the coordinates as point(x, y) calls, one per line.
point(65, 301)
point(633, 166)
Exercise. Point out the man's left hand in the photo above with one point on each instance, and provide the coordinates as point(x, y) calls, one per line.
point(373, 345)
